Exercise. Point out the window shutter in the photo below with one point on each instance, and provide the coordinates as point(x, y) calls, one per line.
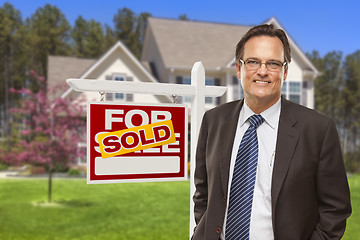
point(179, 79)
point(109, 96)
point(129, 97)
point(235, 80)
point(217, 82)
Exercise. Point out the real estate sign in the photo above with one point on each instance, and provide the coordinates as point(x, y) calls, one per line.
point(133, 142)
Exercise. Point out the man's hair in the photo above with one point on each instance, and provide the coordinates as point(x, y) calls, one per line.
point(264, 30)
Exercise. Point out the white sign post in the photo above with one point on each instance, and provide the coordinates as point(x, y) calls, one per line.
point(197, 90)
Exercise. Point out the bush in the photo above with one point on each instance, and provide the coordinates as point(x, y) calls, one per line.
point(74, 172)
point(352, 162)
point(3, 167)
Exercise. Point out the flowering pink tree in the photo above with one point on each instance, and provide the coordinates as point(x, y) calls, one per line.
point(51, 131)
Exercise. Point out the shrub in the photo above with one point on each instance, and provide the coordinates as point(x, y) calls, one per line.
point(352, 162)
point(74, 172)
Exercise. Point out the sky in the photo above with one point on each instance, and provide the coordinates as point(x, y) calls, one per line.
point(314, 25)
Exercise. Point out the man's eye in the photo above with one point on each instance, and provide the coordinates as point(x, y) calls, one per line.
point(251, 62)
point(274, 64)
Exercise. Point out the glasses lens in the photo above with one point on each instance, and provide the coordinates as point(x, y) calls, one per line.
point(252, 64)
point(273, 65)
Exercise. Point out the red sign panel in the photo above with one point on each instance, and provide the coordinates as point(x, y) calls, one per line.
point(164, 162)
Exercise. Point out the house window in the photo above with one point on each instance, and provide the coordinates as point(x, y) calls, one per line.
point(284, 88)
point(209, 82)
point(294, 98)
point(238, 92)
point(118, 77)
point(294, 87)
point(235, 87)
point(187, 81)
point(292, 91)
point(304, 93)
point(119, 96)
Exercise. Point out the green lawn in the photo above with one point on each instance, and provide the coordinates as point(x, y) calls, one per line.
point(353, 224)
point(128, 211)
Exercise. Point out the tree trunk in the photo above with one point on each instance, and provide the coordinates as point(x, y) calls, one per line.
point(7, 101)
point(50, 183)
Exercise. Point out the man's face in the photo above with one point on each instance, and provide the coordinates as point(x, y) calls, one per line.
point(261, 85)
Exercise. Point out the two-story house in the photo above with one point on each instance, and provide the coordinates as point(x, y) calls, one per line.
point(171, 47)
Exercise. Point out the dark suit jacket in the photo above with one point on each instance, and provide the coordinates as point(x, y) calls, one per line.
point(310, 193)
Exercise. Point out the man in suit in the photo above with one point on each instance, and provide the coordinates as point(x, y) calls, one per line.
point(301, 189)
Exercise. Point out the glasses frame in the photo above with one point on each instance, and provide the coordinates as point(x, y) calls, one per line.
point(261, 63)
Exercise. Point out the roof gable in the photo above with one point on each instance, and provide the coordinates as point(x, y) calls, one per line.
point(118, 50)
point(181, 43)
point(61, 68)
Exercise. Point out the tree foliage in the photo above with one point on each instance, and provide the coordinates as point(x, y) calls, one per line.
point(50, 129)
point(26, 44)
point(48, 34)
point(337, 94)
point(88, 38)
point(131, 29)
point(12, 61)
point(327, 85)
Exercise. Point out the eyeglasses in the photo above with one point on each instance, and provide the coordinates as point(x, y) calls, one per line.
point(254, 64)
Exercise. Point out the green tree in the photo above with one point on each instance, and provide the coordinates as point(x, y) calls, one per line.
point(109, 38)
point(49, 34)
point(141, 24)
point(184, 17)
point(51, 130)
point(337, 94)
point(78, 34)
point(130, 28)
point(351, 108)
point(89, 39)
point(328, 84)
point(12, 63)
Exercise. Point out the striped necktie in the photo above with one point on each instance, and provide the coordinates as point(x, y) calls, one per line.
point(242, 184)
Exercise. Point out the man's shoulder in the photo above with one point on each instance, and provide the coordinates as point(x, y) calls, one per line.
point(226, 107)
point(229, 106)
point(303, 112)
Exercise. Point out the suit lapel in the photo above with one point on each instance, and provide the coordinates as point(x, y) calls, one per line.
point(228, 130)
point(286, 143)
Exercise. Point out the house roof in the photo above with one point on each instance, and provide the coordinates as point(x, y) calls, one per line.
point(119, 46)
point(61, 68)
point(181, 43)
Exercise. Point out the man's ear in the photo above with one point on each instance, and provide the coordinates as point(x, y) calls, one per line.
point(238, 70)
point(285, 72)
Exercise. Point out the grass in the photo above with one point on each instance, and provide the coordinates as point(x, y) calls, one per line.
point(135, 211)
point(353, 224)
point(107, 211)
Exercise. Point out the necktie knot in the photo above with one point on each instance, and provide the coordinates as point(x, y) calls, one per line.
point(256, 120)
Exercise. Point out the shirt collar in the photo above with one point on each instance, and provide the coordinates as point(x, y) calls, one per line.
point(271, 115)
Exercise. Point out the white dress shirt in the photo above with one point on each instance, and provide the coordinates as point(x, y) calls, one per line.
point(261, 217)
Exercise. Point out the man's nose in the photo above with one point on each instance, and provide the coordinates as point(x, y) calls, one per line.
point(263, 69)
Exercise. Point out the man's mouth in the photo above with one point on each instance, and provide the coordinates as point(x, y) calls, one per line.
point(261, 81)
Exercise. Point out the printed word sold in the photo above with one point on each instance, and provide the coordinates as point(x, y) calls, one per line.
point(136, 138)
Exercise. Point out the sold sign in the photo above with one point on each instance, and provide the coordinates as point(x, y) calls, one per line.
point(136, 142)
point(136, 138)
